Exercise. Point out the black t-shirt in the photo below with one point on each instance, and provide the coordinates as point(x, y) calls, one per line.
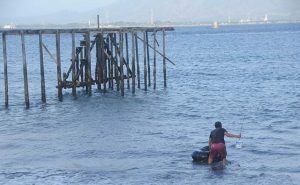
point(217, 135)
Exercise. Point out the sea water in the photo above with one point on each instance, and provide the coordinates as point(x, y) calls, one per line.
point(247, 74)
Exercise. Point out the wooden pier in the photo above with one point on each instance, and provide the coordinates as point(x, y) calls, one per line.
point(115, 63)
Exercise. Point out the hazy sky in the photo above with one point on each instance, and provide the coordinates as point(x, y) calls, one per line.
point(28, 8)
point(66, 11)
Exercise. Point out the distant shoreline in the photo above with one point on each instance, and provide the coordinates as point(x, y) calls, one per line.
point(132, 24)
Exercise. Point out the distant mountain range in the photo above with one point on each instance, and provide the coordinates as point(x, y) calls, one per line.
point(174, 11)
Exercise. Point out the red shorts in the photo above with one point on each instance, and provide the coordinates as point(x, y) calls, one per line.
point(218, 148)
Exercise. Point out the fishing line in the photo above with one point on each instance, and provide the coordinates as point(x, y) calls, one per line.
point(239, 143)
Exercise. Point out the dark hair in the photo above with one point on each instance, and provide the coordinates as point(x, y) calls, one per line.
point(218, 124)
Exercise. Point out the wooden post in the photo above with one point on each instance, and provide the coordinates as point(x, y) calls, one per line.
point(121, 63)
point(43, 88)
point(137, 60)
point(98, 22)
point(133, 62)
point(82, 54)
point(104, 68)
point(148, 60)
point(26, 93)
point(98, 61)
point(5, 68)
point(154, 59)
point(127, 60)
point(58, 62)
point(116, 64)
point(111, 62)
point(164, 59)
point(73, 65)
point(88, 54)
point(145, 62)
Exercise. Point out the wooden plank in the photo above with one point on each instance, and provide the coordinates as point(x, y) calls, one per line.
point(58, 69)
point(5, 68)
point(133, 62)
point(26, 92)
point(148, 60)
point(137, 60)
point(154, 60)
point(43, 87)
point(145, 62)
point(164, 59)
point(73, 65)
point(121, 63)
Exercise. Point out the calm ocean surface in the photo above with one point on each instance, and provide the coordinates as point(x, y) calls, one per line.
point(238, 75)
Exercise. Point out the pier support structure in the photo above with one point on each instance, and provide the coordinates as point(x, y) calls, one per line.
point(115, 62)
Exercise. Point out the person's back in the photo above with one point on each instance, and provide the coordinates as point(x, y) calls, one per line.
point(217, 143)
point(217, 135)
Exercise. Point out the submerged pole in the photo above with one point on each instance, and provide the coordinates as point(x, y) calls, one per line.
point(5, 68)
point(133, 62)
point(164, 59)
point(88, 54)
point(137, 60)
point(73, 65)
point(111, 62)
point(148, 60)
point(26, 93)
point(154, 59)
point(127, 60)
point(121, 63)
point(43, 88)
point(59, 82)
point(145, 62)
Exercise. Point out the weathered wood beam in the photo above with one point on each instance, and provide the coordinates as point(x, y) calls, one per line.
point(43, 88)
point(26, 92)
point(5, 68)
point(58, 69)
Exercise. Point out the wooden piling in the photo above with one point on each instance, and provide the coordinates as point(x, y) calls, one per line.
point(98, 61)
point(98, 21)
point(26, 93)
point(145, 62)
point(104, 67)
point(127, 60)
point(58, 62)
point(116, 64)
point(133, 63)
point(43, 88)
point(154, 60)
point(164, 59)
point(111, 61)
point(88, 54)
point(73, 65)
point(137, 60)
point(5, 68)
point(148, 60)
point(121, 63)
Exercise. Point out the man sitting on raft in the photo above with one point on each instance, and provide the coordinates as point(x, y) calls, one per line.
point(216, 143)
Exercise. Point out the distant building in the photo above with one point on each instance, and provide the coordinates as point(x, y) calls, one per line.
point(9, 26)
point(266, 18)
